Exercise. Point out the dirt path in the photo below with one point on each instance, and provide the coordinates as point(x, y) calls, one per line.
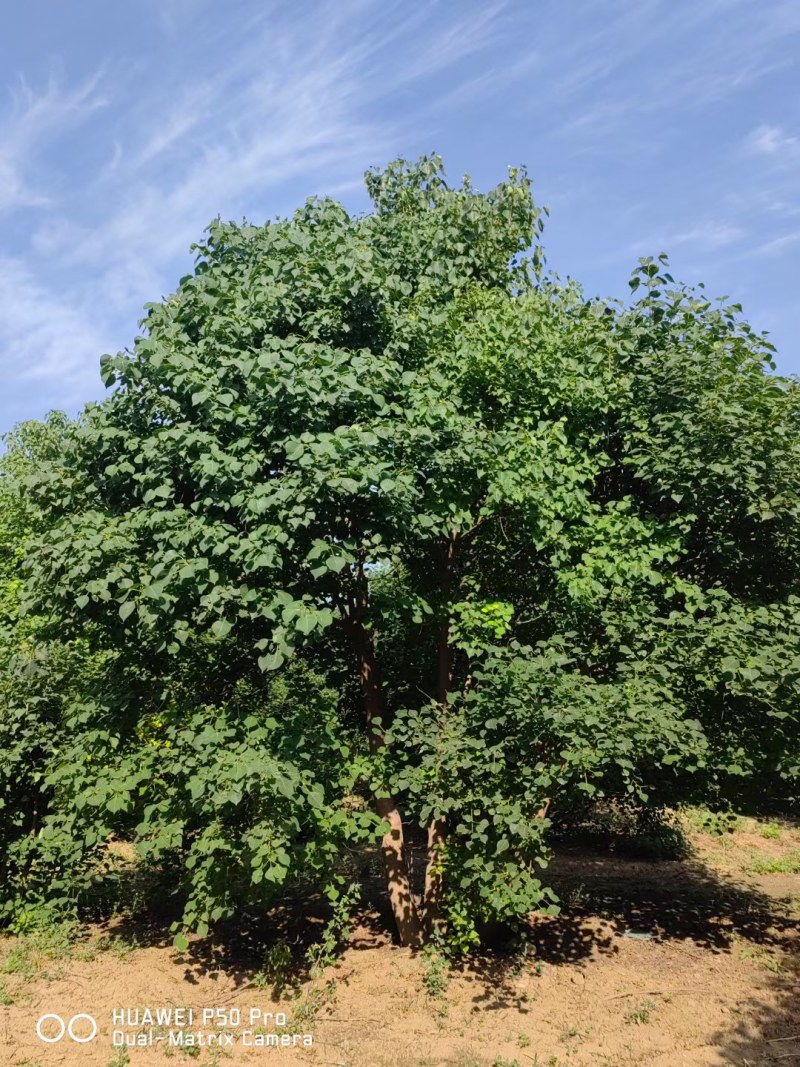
point(659, 964)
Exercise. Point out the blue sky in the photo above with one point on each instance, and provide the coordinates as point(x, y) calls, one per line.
point(648, 126)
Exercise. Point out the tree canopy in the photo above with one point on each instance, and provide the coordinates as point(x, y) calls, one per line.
point(385, 533)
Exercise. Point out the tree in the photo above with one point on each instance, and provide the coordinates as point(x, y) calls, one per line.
point(553, 540)
point(39, 675)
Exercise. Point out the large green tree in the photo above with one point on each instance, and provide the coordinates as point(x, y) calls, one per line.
point(379, 509)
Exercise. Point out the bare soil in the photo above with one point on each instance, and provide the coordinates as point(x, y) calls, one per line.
point(692, 963)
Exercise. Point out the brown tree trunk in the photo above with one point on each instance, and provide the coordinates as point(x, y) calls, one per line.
point(434, 880)
point(398, 883)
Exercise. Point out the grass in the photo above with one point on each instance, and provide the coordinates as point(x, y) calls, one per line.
point(640, 1013)
point(31, 954)
point(716, 823)
point(466, 1059)
point(771, 831)
point(789, 863)
point(765, 957)
point(572, 1037)
point(34, 953)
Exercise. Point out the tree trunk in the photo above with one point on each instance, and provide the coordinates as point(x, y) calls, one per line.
point(398, 883)
point(434, 880)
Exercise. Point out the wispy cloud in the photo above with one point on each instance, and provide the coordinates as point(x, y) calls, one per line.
point(778, 245)
point(292, 100)
point(709, 236)
point(34, 118)
point(647, 117)
point(45, 339)
point(683, 58)
point(772, 141)
point(260, 120)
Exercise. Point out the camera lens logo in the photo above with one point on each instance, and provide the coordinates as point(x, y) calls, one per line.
point(52, 1028)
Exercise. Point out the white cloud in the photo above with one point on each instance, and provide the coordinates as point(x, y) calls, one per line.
point(771, 141)
point(778, 245)
point(256, 123)
point(45, 339)
point(710, 235)
point(292, 99)
point(704, 237)
point(33, 120)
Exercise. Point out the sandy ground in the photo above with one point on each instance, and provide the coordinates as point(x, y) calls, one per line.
point(660, 964)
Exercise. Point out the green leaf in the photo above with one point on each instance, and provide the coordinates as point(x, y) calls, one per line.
point(271, 662)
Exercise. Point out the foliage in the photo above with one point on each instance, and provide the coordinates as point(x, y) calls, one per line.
point(41, 673)
point(436, 967)
point(277, 969)
point(380, 515)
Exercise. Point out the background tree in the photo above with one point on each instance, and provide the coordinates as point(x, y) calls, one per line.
point(553, 542)
point(41, 675)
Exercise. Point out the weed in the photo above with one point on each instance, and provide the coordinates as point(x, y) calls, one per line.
point(311, 1003)
point(764, 957)
point(574, 1033)
point(501, 1062)
point(323, 955)
point(117, 947)
point(467, 1059)
point(771, 831)
point(521, 954)
point(716, 823)
point(576, 897)
point(122, 1059)
point(435, 969)
point(5, 997)
point(524, 1041)
point(192, 1051)
point(773, 966)
point(276, 969)
point(442, 1014)
point(40, 946)
point(787, 864)
point(572, 1037)
point(641, 1013)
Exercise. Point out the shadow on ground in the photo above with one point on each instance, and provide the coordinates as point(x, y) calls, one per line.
point(605, 898)
point(762, 1035)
